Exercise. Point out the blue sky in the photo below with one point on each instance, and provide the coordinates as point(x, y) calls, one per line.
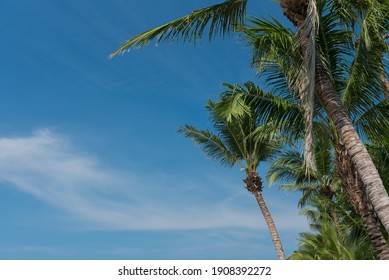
point(91, 166)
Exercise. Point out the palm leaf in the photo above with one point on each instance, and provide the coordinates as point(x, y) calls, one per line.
point(211, 144)
point(221, 18)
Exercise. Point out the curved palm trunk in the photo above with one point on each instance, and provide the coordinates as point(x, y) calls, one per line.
point(353, 186)
point(254, 185)
point(270, 225)
point(296, 12)
point(359, 156)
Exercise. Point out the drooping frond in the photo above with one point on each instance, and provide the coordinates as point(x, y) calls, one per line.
point(364, 81)
point(372, 121)
point(369, 18)
point(220, 18)
point(306, 81)
point(333, 45)
point(369, 23)
point(275, 51)
point(379, 151)
point(288, 169)
point(210, 143)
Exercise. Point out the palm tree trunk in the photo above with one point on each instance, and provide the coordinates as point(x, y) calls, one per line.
point(355, 149)
point(254, 185)
point(352, 184)
point(270, 224)
point(358, 154)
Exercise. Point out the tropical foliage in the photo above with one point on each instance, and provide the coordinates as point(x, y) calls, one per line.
point(240, 141)
point(329, 87)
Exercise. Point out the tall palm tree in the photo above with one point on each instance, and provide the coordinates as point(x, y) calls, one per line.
point(273, 45)
point(327, 183)
point(240, 142)
point(373, 14)
point(299, 14)
point(276, 53)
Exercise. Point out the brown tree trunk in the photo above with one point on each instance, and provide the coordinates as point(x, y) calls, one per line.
point(355, 149)
point(254, 185)
point(352, 185)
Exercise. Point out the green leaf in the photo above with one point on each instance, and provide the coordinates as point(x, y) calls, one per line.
point(220, 18)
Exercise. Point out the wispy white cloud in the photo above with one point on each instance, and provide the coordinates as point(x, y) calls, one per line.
point(49, 167)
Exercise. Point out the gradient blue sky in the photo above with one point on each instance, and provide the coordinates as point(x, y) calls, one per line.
point(91, 166)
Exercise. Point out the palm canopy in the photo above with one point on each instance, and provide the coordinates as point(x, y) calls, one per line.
point(238, 140)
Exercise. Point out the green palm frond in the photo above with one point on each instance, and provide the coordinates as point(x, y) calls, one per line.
point(221, 18)
point(231, 132)
point(379, 151)
point(239, 138)
point(283, 112)
point(369, 23)
point(211, 144)
point(364, 85)
point(275, 49)
point(233, 102)
point(373, 122)
point(334, 44)
point(328, 244)
point(287, 168)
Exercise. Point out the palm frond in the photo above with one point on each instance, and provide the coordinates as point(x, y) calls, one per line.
point(334, 43)
point(288, 168)
point(373, 122)
point(273, 47)
point(364, 84)
point(283, 112)
point(221, 18)
point(210, 143)
point(379, 151)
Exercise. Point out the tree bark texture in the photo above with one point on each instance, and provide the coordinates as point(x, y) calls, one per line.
point(353, 186)
point(354, 146)
point(254, 185)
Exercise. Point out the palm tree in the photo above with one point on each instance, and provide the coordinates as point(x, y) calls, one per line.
point(314, 69)
point(240, 142)
point(276, 53)
point(273, 45)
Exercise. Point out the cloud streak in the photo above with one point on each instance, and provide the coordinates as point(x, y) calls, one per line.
point(47, 166)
